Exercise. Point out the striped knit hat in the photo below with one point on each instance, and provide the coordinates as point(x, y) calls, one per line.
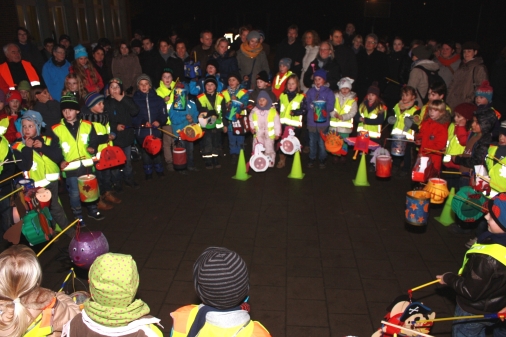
point(485, 90)
point(69, 101)
point(92, 99)
point(221, 278)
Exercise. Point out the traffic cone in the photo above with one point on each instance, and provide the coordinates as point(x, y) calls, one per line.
point(447, 216)
point(361, 178)
point(296, 172)
point(240, 173)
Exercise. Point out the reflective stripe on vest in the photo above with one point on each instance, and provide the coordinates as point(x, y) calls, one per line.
point(495, 170)
point(4, 150)
point(279, 80)
point(74, 149)
point(205, 103)
point(286, 107)
point(270, 123)
point(240, 93)
point(102, 130)
point(5, 72)
point(453, 147)
point(41, 326)
point(496, 251)
point(336, 122)
point(374, 130)
point(398, 128)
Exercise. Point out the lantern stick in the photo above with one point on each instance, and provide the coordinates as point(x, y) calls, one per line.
point(401, 140)
point(66, 279)
point(451, 172)
point(11, 177)
point(56, 237)
point(496, 159)
point(483, 209)
point(13, 192)
point(423, 285)
point(416, 333)
point(168, 133)
point(390, 80)
point(436, 151)
point(487, 316)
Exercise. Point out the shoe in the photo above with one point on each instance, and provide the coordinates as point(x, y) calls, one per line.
point(132, 184)
point(97, 216)
point(160, 175)
point(101, 205)
point(281, 162)
point(310, 164)
point(170, 167)
point(149, 176)
point(471, 242)
point(108, 196)
point(322, 165)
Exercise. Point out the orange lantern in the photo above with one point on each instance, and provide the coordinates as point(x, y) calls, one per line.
point(438, 190)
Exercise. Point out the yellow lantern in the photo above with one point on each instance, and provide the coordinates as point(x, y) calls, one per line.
point(438, 190)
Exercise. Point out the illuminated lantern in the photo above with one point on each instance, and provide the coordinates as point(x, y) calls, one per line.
point(86, 247)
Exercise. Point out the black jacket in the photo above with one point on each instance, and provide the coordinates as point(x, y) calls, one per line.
point(121, 112)
point(294, 51)
point(345, 58)
point(149, 65)
point(371, 68)
point(333, 73)
point(177, 65)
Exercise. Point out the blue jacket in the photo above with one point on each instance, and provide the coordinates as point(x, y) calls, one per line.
point(178, 117)
point(228, 65)
point(197, 87)
point(54, 77)
point(151, 108)
point(324, 94)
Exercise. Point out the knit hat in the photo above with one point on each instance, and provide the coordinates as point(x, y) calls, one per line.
point(35, 117)
point(345, 82)
point(320, 73)
point(235, 75)
point(12, 95)
point(470, 45)
point(144, 77)
point(374, 89)
point(92, 99)
point(286, 62)
point(118, 81)
point(80, 51)
point(422, 52)
point(261, 33)
point(220, 277)
point(466, 110)
point(211, 79)
point(253, 35)
point(263, 76)
point(485, 90)
point(113, 280)
point(264, 94)
point(64, 37)
point(24, 85)
point(502, 129)
point(168, 70)
point(497, 210)
point(69, 101)
point(214, 63)
point(486, 120)
point(2, 96)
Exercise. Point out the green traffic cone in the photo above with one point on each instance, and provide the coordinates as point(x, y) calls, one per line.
point(296, 172)
point(361, 178)
point(240, 173)
point(447, 216)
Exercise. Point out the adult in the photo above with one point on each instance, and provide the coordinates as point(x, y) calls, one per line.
point(109, 53)
point(148, 58)
point(243, 34)
point(398, 70)
point(204, 49)
point(291, 48)
point(372, 66)
point(418, 77)
point(382, 47)
point(448, 61)
point(252, 60)
point(227, 63)
point(177, 61)
point(343, 55)
point(498, 82)
point(311, 42)
point(54, 72)
point(47, 51)
point(126, 67)
point(15, 70)
point(98, 59)
point(29, 51)
point(324, 60)
point(467, 77)
point(136, 46)
point(65, 41)
point(173, 37)
point(165, 51)
point(349, 34)
point(357, 44)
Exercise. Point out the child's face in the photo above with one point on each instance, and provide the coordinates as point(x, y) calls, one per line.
point(70, 115)
point(434, 96)
point(435, 114)
point(502, 139)
point(233, 82)
point(14, 105)
point(82, 60)
point(407, 98)
point(24, 94)
point(29, 129)
point(262, 102)
point(43, 97)
point(210, 88)
point(493, 227)
point(475, 127)
point(144, 86)
point(459, 119)
point(167, 79)
point(211, 70)
point(371, 98)
point(98, 108)
point(261, 84)
point(291, 85)
point(318, 81)
point(480, 100)
point(72, 84)
point(283, 69)
point(345, 91)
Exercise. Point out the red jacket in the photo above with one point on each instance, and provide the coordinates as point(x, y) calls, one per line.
point(433, 135)
point(11, 134)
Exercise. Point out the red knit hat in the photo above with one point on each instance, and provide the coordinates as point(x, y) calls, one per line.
point(466, 110)
point(485, 90)
point(13, 94)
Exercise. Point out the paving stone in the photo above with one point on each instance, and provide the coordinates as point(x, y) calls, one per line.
point(307, 313)
point(307, 288)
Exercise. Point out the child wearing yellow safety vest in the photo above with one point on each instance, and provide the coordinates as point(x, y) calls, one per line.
point(372, 113)
point(38, 156)
point(480, 282)
point(6, 171)
point(94, 113)
point(221, 281)
point(166, 91)
point(345, 108)
point(496, 163)
point(279, 81)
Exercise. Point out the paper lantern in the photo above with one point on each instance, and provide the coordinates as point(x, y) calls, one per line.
point(438, 190)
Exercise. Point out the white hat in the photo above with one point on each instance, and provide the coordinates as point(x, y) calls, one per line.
point(345, 82)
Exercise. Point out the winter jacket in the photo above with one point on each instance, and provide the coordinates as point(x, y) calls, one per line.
point(197, 86)
point(345, 58)
point(148, 62)
point(54, 77)
point(399, 65)
point(202, 55)
point(294, 51)
point(50, 112)
point(332, 68)
point(11, 134)
point(321, 94)
point(249, 67)
point(151, 108)
point(466, 79)
point(419, 80)
point(88, 82)
point(311, 53)
point(371, 68)
point(227, 64)
point(127, 69)
point(446, 71)
point(433, 135)
point(177, 66)
point(178, 117)
point(121, 112)
point(104, 70)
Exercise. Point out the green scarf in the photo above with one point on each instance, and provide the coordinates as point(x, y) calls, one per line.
point(113, 284)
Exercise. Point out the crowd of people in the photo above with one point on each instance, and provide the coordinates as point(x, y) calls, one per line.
point(62, 105)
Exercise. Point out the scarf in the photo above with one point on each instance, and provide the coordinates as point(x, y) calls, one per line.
point(252, 53)
point(101, 118)
point(115, 316)
point(322, 62)
point(58, 64)
point(450, 61)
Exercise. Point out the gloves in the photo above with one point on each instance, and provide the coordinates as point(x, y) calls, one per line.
point(408, 121)
point(391, 120)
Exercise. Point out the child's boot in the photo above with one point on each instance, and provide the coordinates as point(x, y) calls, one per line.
point(282, 159)
point(159, 170)
point(94, 213)
point(109, 196)
point(148, 171)
point(216, 162)
point(102, 205)
point(78, 215)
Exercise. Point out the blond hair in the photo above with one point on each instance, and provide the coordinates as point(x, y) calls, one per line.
point(20, 275)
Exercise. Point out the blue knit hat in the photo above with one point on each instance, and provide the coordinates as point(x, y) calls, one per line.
point(35, 117)
point(286, 62)
point(320, 73)
point(497, 210)
point(92, 99)
point(80, 51)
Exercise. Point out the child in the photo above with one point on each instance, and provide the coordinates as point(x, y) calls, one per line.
point(74, 85)
point(265, 125)
point(26, 308)
point(262, 82)
point(495, 162)
point(94, 113)
point(46, 105)
point(113, 309)
point(319, 92)
point(483, 99)
point(210, 106)
point(403, 125)
point(279, 81)
point(480, 283)
point(341, 120)
point(166, 91)
point(24, 89)
point(84, 69)
point(433, 134)
point(13, 111)
point(6, 171)
point(78, 141)
point(39, 157)
point(212, 69)
point(221, 281)
point(10, 133)
point(152, 115)
point(437, 91)
point(372, 113)
point(236, 127)
point(292, 106)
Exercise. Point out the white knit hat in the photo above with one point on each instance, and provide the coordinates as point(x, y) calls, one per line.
point(345, 82)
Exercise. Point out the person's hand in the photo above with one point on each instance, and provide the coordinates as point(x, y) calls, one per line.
point(203, 115)
point(362, 119)
point(296, 63)
point(120, 127)
point(63, 164)
point(246, 78)
point(416, 119)
point(156, 124)
point(453, 158)
point(189, 118)
point(37, 144)
point(391, 120)
point(225, 129)
point(118, 96)
point(148, 124)
point(90, 150)
point(29, 142)
point(440, 278)
point(111, 136)
point(339, 117)
point(277, 138)
point(502, 314)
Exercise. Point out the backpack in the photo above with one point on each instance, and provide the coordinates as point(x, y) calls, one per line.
point(432, 77)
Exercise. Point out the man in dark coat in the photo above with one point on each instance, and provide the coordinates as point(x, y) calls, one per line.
point(148, 59)
point(343, 55)
point(372, 66)
point(291, 48)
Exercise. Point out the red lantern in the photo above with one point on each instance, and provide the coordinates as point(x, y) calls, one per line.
point(152, 144)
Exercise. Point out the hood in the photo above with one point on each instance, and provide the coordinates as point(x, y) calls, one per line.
point(427, 64)
point(486, 120)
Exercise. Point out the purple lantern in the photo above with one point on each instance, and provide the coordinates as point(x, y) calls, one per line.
point(86, 247)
